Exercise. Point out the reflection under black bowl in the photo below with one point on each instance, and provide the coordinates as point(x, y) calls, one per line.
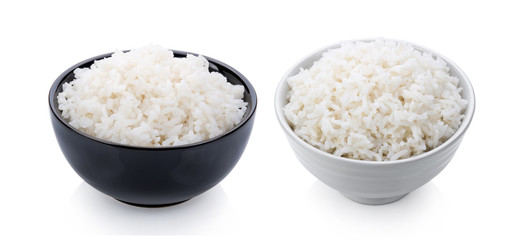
point(153, 176)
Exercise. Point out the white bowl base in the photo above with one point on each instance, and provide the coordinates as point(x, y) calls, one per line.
point(375, 201)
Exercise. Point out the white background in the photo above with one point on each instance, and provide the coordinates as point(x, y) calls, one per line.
point(268, 194)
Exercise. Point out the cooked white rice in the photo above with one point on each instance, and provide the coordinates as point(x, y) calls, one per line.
point(380, 100)
point(148, 97)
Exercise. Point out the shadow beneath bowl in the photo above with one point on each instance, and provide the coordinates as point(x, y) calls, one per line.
point(208, 213)
point(418, 208)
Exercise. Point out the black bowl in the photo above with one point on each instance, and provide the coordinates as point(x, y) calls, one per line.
point(153, 176)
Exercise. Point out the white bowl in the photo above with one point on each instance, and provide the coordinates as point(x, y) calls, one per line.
point(371, 182)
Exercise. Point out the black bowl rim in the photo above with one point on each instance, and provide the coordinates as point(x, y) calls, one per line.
point(248, 87)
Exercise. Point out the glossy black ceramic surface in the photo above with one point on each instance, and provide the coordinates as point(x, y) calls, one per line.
point(153, 176)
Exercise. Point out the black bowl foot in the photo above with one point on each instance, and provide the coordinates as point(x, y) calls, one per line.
point(152, 205)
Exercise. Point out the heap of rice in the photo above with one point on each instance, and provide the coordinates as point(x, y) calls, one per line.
point(147, 97)
point(380, 100)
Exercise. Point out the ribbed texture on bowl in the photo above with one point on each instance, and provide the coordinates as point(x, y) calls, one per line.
point(371, 182)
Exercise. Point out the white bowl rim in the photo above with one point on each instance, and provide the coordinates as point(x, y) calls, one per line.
point(459, 133)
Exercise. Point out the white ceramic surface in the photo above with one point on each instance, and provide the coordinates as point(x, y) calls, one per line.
point(371, 182)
